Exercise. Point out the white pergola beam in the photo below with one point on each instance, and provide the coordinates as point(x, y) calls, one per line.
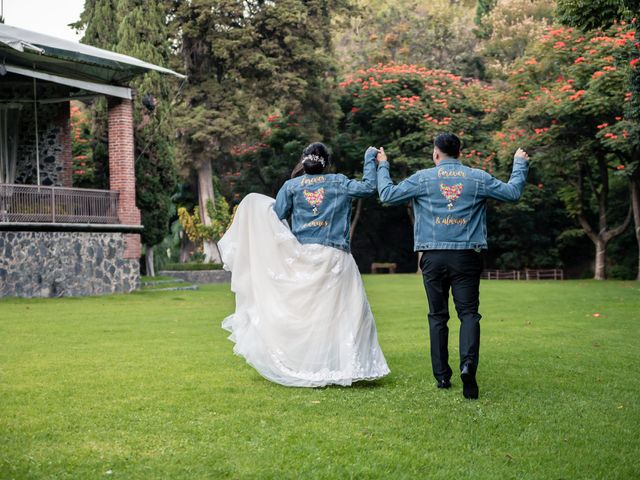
point(111, 90)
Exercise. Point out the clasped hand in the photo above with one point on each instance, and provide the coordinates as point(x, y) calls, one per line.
point(381, 156)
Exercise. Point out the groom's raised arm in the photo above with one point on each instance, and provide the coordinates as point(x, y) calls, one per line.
point(512, 190)
point(395, 194)
point(367, 186)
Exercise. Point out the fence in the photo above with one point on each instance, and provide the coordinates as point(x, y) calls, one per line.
point(527, 274)
point(32, 203)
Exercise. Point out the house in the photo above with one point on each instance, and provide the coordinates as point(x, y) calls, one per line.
point(56, 240)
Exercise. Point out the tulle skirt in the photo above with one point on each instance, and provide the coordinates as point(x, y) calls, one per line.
point(302, 317)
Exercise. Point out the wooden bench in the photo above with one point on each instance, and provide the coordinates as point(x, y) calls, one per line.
point(390, 267)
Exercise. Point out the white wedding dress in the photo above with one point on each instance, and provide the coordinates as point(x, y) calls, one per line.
point(302, 317)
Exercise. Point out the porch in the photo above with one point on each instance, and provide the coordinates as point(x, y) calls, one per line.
point(57, 239)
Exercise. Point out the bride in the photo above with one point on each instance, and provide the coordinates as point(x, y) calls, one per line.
point(302, 317)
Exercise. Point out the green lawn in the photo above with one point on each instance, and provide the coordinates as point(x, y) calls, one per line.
point(146, 386)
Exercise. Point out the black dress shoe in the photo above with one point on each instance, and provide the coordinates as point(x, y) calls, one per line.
point(469, 385)
point(444, 383)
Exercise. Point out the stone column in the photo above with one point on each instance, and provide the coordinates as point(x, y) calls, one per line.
point(122, 177)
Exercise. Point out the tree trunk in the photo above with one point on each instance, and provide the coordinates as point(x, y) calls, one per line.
point(635, 205)
point(187, 247)
point(600, 265)
point(356, 217)
point(205, 195)
point(151, 271)
point(600, 240)
point(604, 234)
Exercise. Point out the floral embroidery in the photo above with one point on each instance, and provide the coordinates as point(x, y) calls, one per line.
point(451, 193)
point(314, 199)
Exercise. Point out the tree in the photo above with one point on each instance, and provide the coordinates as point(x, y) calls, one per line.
point(483, 8)
point(509, 27)
point(403, 107)
point(264, 166)
point(596, 14)
point(437, 34)
point(82, 146)
point(568, 99)
point(245, 59)
point(602, 14)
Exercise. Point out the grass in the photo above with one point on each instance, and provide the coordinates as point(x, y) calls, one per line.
point(145, 386)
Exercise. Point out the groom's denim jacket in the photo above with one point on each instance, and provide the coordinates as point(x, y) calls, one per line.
point(320, 205)
point(449, 201)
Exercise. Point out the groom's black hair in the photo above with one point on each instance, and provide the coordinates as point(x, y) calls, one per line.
point(448, 144)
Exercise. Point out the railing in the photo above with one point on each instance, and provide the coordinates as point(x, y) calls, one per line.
point(35, 204)
point(528, 274)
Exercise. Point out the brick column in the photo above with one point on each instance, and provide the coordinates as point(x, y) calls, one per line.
point(122, 176)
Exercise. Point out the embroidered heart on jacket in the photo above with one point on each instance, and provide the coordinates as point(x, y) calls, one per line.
point(314, 198)
point(451, 193)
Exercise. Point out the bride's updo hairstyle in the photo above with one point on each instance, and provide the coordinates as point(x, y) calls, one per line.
point(315, 159)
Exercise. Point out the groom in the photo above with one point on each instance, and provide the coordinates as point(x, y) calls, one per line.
point(449, 205)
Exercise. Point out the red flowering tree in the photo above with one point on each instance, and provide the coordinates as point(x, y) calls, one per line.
point(402, 107)
point(568, 103)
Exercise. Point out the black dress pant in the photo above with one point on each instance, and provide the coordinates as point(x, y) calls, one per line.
point(458, 270)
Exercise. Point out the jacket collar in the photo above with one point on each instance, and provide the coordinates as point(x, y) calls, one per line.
point(449, 161)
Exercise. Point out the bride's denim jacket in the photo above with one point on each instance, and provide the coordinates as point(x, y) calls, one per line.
point(449, 201)
point(320, 205)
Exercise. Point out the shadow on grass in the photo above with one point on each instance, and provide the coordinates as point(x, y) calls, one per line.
point(361, 385)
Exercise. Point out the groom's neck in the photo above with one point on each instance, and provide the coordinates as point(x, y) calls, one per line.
point(443, 159)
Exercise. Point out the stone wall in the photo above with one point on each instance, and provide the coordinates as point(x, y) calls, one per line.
point(56, 264)
point(54, 143)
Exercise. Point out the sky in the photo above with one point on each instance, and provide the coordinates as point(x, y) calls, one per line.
point(45, 16)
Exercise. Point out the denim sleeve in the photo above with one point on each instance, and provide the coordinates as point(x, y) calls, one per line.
point(395, 194)
point(284, 203)
point(367, 186)
point(512, 190)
